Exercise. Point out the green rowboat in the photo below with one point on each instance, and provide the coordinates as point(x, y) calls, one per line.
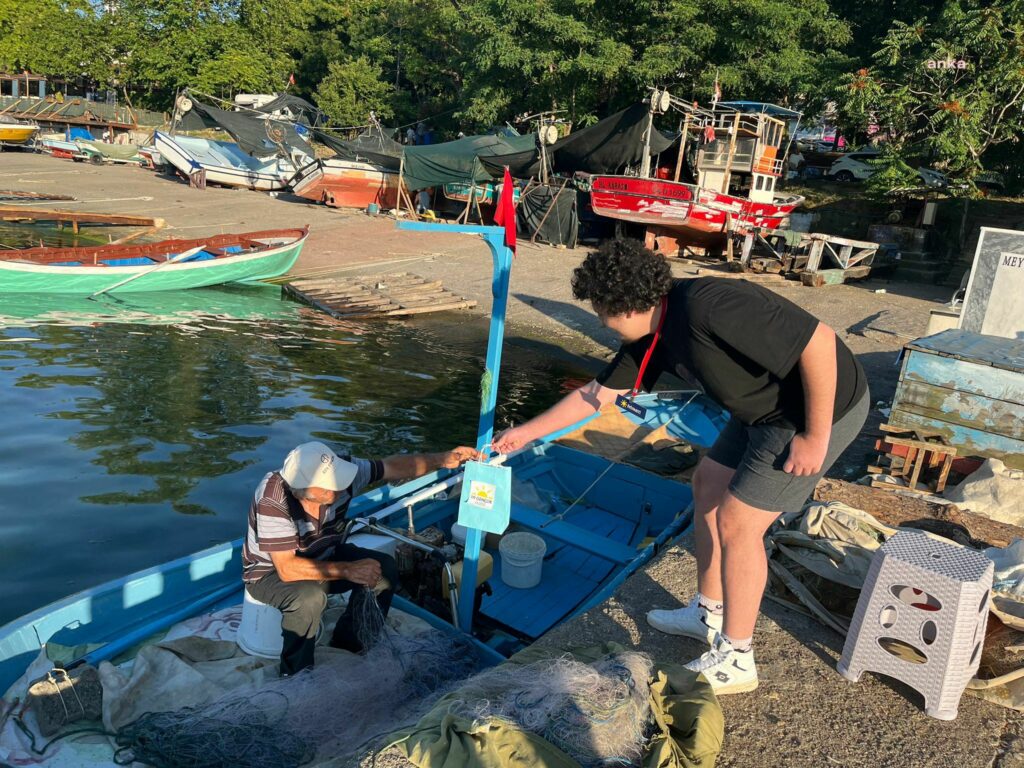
point(162, 266)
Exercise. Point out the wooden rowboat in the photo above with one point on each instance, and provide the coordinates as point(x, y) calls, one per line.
point(143, 267)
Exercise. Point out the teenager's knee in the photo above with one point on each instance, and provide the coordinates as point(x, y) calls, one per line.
point(710, 482)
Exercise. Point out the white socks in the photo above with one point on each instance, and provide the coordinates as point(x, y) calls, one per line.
point(742, 646)
point(714, 607)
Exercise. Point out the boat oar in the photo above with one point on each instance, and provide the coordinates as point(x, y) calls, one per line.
point(180, 257)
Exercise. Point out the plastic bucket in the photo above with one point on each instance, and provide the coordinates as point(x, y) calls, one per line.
point(377, 543)
point(259, 633)
point(372, 209)
point(522, 559)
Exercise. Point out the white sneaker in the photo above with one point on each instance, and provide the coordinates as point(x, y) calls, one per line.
point(692, 620)
point(728, 670)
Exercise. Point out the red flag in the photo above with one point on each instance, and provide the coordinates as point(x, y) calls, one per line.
point(291, 79)
point(505, 216)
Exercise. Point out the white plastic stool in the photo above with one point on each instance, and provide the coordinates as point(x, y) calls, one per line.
point(259, 633)
point(921, 619)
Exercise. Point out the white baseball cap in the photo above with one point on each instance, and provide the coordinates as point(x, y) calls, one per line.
point(314, 465)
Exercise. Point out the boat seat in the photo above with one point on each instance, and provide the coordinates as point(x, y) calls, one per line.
point(572, 534)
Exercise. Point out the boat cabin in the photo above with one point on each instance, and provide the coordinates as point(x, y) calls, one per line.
point(747, 151)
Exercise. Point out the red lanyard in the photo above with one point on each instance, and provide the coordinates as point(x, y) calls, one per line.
point(650, 349)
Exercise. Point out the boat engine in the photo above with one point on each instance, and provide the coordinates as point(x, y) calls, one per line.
point(423, 577)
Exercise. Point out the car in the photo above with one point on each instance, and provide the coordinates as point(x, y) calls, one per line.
point(854, 166)
point(858, 166)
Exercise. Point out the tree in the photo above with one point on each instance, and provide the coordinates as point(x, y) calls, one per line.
point(949, 89)
point(351, 90)
point(60, 39)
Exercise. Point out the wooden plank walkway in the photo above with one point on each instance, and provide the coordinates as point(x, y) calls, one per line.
point(394, 295)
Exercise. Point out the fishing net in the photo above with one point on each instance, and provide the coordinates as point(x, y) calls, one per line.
point(336, 709)
point(599, 714)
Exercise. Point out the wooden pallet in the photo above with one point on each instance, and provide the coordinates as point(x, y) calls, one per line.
point(370, 296)
point(911, 457)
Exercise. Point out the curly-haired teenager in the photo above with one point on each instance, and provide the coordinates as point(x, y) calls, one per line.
point(796, 395)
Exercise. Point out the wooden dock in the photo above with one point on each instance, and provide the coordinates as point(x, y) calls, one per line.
point(372, 296)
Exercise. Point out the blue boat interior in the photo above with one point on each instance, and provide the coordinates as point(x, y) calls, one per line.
point(146, 261)
point(596, 519)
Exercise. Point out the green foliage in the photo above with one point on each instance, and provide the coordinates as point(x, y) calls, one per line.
point(351, 89)
point(952, 115)
point(893, 172)
point(65, 39)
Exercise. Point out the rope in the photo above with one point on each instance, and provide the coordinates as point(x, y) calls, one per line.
point(612, 463)
point(42, 751)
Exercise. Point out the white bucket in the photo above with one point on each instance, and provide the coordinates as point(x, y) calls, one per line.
point(385, 544)
point(259, 633)
point(522, 559)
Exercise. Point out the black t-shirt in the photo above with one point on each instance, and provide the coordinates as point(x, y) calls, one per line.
point(742, 343)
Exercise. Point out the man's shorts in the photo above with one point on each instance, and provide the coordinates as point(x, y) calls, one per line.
point(758, 453)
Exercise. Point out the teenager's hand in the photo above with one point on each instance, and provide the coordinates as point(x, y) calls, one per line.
point(510, 440)
point(806, 455)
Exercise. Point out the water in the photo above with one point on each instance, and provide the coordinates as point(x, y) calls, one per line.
point(135, 431)
point(18, 236)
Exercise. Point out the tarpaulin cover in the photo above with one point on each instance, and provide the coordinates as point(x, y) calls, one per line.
point(304, 111)
point(372, 146)
point(605, 147)
point(457, 161)
point(687, 732)
point(259, 136)
point(561, 225)
point(610, 144)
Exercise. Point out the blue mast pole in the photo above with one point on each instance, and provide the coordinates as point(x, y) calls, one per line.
point(502, 258)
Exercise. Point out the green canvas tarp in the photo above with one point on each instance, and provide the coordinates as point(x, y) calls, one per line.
point(433, 165)
point(689, 729)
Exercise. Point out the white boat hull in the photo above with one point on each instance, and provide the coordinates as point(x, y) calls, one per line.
point(271, 179)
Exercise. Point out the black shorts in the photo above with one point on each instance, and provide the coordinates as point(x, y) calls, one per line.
point(758, 453)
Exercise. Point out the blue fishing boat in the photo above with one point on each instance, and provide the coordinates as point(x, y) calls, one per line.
point(599, 520)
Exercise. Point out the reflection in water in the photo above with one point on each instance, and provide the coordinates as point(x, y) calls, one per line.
point(136, 430)
point(18, 236)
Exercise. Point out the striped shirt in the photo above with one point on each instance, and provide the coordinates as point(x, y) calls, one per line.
point(278, 523)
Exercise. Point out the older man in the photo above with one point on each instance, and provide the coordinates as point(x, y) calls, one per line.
point(295, 555)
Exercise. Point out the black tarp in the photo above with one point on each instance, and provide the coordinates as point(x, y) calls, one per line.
point(605, 147)
point(561, 225)
point(610, 144)
point(258, 136)
point(374, 146)
point(301, 109)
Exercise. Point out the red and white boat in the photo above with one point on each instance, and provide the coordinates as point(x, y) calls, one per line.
point(739, 159)
point(347, 184)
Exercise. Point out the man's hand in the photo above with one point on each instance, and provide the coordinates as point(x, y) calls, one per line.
point(459, 456)
point(510, 440)
point(365, 572)
point(806, 455)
